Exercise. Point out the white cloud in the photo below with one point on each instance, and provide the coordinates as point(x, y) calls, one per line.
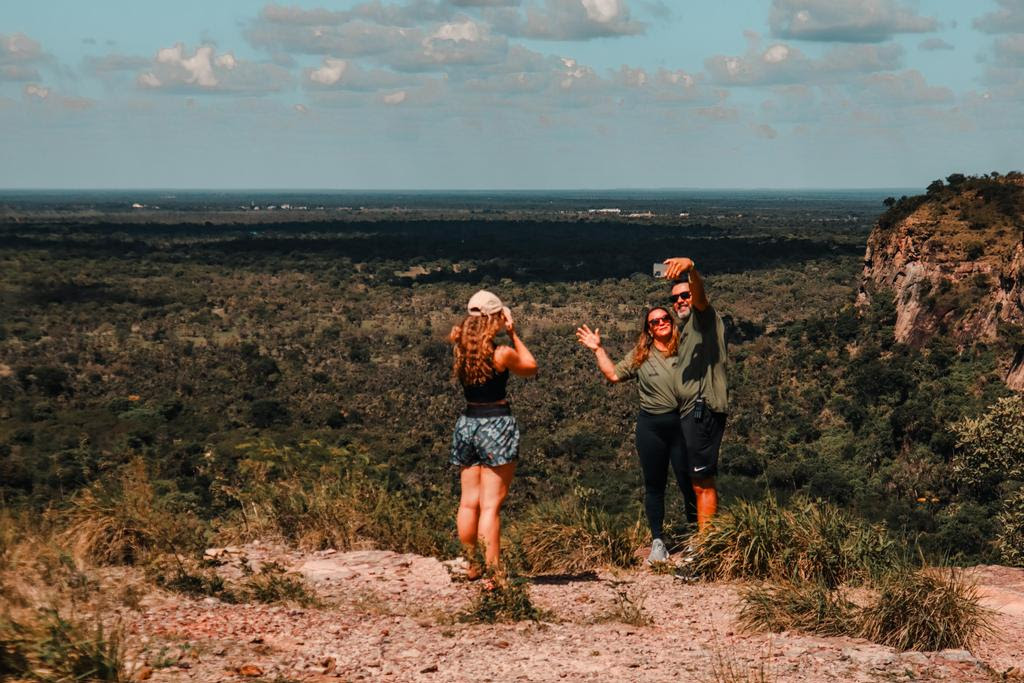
point(1010, 50)
point(1009, 18)
point(856, 21)
point(19, 58)
point(194, 70)
point(227, 61)
point(567, 20)
point(149, 80)
point(40, 95)
point(203, 71)
point(351, 39)
point(346, 74)
point(36, 91)
point(781, 64)
point(330, 73)
point(394, 98)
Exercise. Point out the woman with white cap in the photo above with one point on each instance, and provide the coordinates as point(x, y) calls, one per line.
point(486, 440)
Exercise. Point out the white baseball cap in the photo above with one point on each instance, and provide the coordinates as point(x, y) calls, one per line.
point(484, 303)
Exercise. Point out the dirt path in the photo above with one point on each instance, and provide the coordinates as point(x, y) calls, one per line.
point(394, 617)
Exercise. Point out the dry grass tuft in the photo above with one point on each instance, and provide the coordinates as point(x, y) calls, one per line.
point(120, 521)
point(628, 606)
point(805, 607)
point(53, 647)
point(931, 609)
point(567, 536)
point(341, 505)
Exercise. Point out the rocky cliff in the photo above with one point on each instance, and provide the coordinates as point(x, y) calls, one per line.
point(953, 261)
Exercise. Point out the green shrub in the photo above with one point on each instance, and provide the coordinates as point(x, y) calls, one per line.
point(810, 541)
point(1010, 536)
point(990, 448)
point(54, 648)
point(273, 585)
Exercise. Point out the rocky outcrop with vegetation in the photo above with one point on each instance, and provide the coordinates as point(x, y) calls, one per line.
point(953, 262)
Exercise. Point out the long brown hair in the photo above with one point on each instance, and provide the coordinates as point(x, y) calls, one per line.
point(645, 340)
point(473, 347)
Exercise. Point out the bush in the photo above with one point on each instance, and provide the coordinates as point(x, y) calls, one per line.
point(338, 504)
point(273, 585)
point(929, 609)
point(55, 648)
point(990, 448)
point(808, 607)
point(502, 596)
point(1010, 536)
point(567, 536)
point(811, 541)
point(118, 521)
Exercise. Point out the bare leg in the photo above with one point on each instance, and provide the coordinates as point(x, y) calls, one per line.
point(707, 500)
point(468, 518)
point(494, 483)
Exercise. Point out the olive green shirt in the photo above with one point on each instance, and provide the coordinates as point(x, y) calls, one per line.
point(702, 360)
point(655, 381)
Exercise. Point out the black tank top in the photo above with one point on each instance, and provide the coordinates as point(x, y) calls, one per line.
point(491, 391)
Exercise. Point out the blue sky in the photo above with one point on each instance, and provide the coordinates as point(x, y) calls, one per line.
point(517, 94)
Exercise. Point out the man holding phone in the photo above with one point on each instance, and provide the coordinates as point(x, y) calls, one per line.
point(700, 386)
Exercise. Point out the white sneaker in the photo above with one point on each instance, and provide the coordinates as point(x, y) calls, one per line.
point(659, 553)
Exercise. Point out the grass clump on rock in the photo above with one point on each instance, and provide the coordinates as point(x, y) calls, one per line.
point(811, 554)
point(568, 536)
point(804, 606)
point(810, 541)
point(928, 609)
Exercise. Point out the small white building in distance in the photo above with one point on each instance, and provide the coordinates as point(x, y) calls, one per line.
point(136, 205)
point(605, 211)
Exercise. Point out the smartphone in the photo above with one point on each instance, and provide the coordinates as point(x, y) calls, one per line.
point(659, 269)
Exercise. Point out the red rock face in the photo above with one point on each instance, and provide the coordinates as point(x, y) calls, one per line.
point(937, 288)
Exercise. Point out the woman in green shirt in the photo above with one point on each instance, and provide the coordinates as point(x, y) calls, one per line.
point(659, 441)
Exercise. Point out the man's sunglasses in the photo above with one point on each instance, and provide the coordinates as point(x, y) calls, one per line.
point(684, 296)
point(654, 322)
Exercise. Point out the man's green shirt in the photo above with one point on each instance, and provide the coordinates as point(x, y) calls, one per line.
point(702, 360)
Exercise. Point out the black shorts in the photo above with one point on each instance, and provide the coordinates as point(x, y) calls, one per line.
point(702, 440)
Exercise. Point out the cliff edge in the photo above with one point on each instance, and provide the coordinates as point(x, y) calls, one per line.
point(953, 261)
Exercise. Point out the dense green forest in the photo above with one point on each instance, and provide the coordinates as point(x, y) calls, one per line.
point(226, 357)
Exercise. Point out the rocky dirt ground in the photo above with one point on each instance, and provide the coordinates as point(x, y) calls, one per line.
point(393, 617)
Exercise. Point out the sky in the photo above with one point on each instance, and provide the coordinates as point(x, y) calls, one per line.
point(508, 94)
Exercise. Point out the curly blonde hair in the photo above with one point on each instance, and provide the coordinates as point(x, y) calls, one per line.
point(473, 347)
point(645, 340)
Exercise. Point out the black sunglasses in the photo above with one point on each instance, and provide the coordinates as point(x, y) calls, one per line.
point(654, 322)
point(681, 295)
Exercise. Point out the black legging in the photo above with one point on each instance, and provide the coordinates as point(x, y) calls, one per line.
point(659, 442)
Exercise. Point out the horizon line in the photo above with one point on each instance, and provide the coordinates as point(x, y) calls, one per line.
point(461, 190)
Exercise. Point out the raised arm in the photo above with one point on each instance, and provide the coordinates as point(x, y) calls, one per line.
point(592, 340)
point(676, 268)
point(517, 359)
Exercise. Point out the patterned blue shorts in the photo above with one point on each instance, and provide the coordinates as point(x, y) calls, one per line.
point(490, 441)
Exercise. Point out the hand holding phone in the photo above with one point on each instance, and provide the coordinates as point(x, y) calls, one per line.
point(659, 270)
